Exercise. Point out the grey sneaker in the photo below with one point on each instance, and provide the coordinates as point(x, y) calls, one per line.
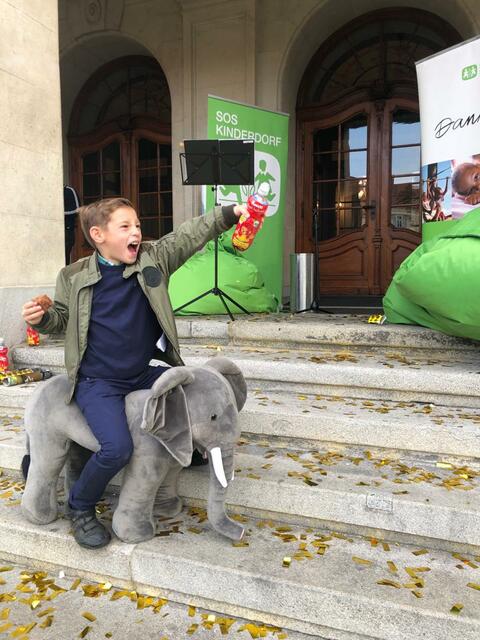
point(87, 530)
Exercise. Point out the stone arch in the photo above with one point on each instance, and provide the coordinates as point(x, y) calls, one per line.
point(315, 27)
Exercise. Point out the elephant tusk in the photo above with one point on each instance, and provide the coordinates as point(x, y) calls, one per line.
point(216, 457)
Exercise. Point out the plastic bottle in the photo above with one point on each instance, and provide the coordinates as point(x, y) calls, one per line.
point(3, 355)
point(248, 226)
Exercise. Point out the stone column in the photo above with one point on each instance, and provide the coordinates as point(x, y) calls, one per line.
point(31, 183)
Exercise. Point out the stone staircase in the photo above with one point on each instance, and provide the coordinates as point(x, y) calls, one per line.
point(356, 477)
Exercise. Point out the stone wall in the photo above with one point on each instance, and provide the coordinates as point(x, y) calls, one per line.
point(31, 200)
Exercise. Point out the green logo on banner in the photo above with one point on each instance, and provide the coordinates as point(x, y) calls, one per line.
point(469, 72)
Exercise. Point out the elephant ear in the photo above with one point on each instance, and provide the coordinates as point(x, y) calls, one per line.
point(166, 416)
point(234, 376)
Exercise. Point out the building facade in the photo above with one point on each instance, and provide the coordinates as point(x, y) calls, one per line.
point(100, 94)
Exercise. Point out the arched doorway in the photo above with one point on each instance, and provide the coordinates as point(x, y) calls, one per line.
point(120, 142)
point(358, 153)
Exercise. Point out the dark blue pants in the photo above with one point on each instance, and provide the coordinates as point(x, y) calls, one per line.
point(102, 402)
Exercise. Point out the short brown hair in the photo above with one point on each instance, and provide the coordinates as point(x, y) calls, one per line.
point(97, 214)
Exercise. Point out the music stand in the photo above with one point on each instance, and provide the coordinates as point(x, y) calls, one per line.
point(214, 162)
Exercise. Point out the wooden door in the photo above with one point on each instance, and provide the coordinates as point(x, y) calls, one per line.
point(133, 164)
point(359, 192)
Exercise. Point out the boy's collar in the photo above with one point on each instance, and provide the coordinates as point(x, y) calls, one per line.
point(104, 261)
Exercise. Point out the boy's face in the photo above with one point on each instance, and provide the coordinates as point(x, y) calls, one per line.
point(119, 240)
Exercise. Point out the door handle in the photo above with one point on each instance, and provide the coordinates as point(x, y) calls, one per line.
point(372, 208)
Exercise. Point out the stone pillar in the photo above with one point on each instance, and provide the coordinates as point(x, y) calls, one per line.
point(31, 183)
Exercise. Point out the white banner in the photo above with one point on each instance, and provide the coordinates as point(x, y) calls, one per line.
point(449, 94)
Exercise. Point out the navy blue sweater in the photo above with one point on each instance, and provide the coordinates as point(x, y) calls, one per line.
point(123, 328)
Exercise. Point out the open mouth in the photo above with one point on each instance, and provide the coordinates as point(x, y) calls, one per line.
point(133, 248)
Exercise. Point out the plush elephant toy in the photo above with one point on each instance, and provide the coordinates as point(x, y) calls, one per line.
point(187, 408)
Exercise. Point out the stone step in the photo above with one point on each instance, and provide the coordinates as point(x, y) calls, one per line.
point(121, 618)
point(415, 499)
point(423, 377)
point(298, 578)
point(310, 330)
point(310, 419)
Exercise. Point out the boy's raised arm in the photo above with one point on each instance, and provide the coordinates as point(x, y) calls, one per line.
point(55, 319)
point(177, 247)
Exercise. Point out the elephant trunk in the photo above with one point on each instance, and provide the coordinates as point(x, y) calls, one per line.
point(221, 469)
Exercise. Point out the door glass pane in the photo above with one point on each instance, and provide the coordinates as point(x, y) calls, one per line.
point(111, 185)
point(91, 185)
point(354, 133)
point(91, 162)
point(166, 179)
point(353, 165)
point(147, 180)
point(166, 204)
point(148, 205)
point(147, 153)
point(150, 228)
point(111, 157)
point(326, 139)
point(405, 160)
point(166, 226)
point(340, 176)
point(325, 195)
point(405, 127)
point(165, 154)
point(325, 166)
point(405, 199)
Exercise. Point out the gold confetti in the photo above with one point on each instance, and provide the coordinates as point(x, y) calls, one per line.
point(473, 585)
point(286, 561)
point(392, 567)
point(444, 465)
point(85, 632)
point(5, 613)
point(211, 617)
point(3, 569)
point(456, 608)
point(5, 627)
point(192, 628)
point(89, 616)
point(386, 546)
point(191, 611)
point(389, 583)
point(46, 623)
point(420, 552)
point(242, 543)
point(358, 560)
point(417, 594)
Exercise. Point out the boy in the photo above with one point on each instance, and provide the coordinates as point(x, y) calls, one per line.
point(115, 310)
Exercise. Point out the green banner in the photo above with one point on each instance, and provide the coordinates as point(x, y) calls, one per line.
point(269, 129)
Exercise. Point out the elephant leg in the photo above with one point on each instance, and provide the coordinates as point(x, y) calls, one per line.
point(168, 503)
point(48, 455)
point(133, 518)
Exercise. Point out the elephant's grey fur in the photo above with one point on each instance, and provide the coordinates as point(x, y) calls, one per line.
point(186, 408)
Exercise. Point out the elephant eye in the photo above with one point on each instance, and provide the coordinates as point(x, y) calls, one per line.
point(214, 417)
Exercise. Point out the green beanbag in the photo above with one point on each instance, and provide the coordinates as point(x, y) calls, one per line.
point(237, 277)
point(438, 285)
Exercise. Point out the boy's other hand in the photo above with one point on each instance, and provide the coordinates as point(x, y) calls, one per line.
point(32, 312)
point(238, 209)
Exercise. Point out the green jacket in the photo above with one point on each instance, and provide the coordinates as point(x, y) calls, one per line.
point(156, 261)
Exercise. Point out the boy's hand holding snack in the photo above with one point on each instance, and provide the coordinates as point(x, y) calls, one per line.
point(34, 310)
